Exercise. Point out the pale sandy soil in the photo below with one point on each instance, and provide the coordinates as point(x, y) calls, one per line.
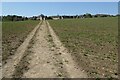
point(42, 55)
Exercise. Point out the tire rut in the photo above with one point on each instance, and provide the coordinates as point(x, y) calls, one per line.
point(44, 63)
point(44, 57)
point(10, 67)
point(69, 64)
point(22, 66)
point(57, 60)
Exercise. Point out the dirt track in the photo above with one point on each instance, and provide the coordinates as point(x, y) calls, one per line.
point(42, 55)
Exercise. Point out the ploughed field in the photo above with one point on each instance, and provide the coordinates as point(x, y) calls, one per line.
point(13, 34)
point(92, 43)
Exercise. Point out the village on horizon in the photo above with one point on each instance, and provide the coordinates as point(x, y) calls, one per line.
point(56, 17)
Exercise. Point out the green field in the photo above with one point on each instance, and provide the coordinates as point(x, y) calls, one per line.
point(13, 34)
point(92, 43)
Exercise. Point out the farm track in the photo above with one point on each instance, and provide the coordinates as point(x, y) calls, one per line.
point(42, 56)
point(9, 67)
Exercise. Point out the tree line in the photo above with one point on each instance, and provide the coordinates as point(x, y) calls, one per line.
point(21, 18)
point(13, 18)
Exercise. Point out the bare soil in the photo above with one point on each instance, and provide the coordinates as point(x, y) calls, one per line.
point(42, 55)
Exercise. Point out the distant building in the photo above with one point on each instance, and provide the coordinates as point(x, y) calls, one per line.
point(56, 17)
point(41, 17)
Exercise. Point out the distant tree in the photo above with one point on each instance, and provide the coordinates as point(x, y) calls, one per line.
point(118, 15)
point(42, 16)
point(102, 15)
point(13, 18)
point(87, 15)
point(9, 17)
point(49, 18)
point(76, 16)
point(95, 16)
point(25, 18)
point(61, 17)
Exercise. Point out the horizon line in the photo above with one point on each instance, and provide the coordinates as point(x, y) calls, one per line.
point(61, 14)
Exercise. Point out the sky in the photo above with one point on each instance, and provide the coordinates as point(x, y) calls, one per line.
point(61, 8)
point(60, 0)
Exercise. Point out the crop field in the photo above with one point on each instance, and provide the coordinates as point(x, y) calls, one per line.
point(92, 42)
point(13, 34)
